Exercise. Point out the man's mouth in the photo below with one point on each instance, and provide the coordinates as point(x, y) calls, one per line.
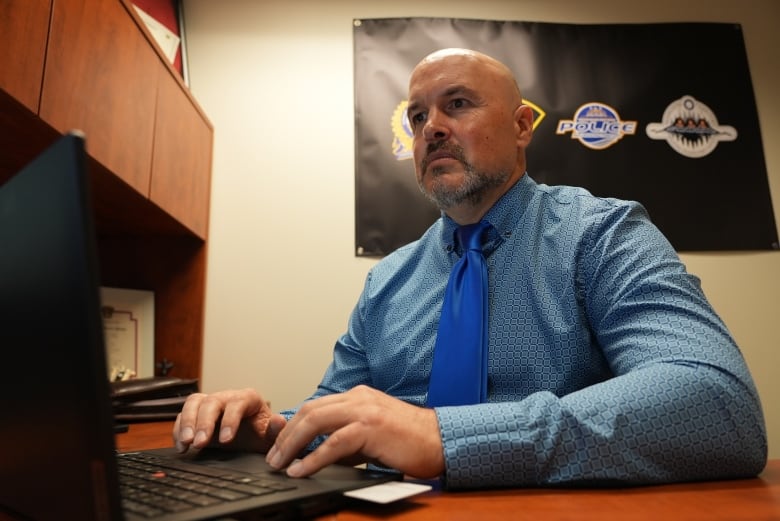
point(438, 154)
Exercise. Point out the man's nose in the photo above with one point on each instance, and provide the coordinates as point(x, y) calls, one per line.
point(436, 128)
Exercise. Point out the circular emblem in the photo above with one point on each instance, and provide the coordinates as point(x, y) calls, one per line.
point(691, 128)
point(596, 125)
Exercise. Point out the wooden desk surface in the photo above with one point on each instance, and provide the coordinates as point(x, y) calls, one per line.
point(741, 500)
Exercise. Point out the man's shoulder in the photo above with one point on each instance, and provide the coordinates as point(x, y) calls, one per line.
point(578, 200)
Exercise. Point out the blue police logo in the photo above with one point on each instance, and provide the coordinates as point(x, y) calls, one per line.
point(691, 128)
point(403, 135)
point(596, 125)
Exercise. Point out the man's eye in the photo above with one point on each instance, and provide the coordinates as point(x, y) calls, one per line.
point(458, 103)
point(417, 118)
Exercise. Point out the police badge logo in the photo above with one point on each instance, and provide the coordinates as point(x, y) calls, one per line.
point(691, 128)
point(596, 125)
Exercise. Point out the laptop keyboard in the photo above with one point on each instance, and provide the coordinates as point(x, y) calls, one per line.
point(152, 486)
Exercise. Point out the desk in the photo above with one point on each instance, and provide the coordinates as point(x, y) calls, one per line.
point(742, 500)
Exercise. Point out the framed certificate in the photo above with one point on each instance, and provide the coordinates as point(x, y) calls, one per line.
point(128, 326)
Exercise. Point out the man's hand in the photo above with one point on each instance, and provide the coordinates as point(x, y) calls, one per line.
point(366, 423)
point(245, 421)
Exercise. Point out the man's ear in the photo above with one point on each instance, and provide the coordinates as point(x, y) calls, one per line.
point(524, 121)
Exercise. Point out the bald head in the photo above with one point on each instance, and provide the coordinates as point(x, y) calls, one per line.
point(467, 58)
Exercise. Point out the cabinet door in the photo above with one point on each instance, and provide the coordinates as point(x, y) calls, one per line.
point(181, 178)
point(101, 77)
point(24, 26)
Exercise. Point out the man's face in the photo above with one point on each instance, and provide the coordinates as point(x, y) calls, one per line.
point(465, 135)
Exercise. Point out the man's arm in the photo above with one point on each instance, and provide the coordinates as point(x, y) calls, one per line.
point(660, 424)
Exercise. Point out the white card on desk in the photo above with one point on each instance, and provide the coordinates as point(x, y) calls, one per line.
point(388, 492)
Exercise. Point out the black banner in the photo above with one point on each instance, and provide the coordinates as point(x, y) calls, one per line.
point(659, 113)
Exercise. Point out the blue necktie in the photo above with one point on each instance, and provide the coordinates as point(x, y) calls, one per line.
point(459, 370)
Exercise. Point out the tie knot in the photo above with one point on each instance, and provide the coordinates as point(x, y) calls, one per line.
point(470, 235)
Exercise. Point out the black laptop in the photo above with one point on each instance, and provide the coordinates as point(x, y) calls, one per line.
point(57, 455)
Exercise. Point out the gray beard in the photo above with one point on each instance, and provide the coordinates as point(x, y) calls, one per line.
point(471, 191)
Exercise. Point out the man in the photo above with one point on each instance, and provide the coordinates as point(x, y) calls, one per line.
point(606, 363)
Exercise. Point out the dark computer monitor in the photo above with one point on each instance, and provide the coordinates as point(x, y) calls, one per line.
point(56, 442)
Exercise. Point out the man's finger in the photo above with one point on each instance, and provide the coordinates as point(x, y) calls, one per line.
point(342, 443)
point(322, 416)
point(237, 408)
point(184, 428)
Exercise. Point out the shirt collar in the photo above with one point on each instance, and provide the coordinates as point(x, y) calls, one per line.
point(504, 216)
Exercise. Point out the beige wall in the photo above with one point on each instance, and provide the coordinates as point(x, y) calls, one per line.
point(275, 77)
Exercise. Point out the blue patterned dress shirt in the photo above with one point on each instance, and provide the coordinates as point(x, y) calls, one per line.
point(606, 362)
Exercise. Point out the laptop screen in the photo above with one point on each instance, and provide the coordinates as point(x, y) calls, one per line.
point(56, 440)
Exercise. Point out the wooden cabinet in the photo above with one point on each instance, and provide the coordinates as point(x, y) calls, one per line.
point(182, 158)
point(101, 77)
point(91, 65)
point(24, 25)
